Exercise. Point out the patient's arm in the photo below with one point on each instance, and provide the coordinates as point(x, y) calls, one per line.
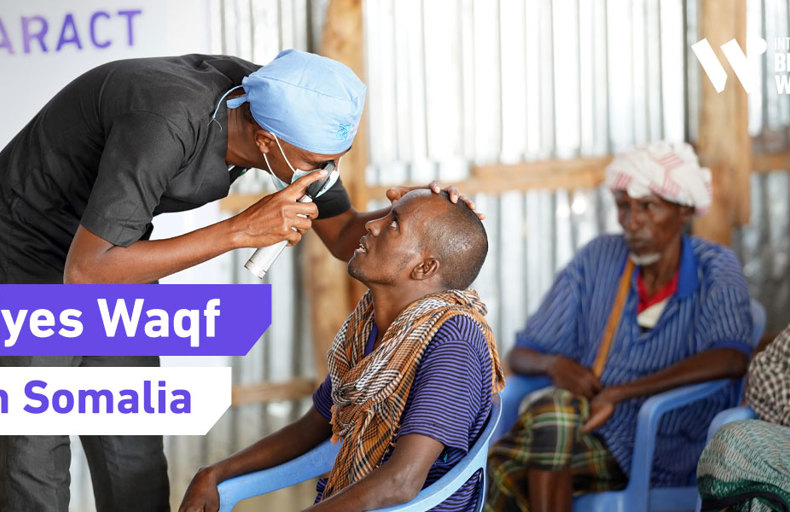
point(281, 446)
point(397, 481)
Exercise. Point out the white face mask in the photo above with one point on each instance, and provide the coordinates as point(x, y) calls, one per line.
point(279, 184)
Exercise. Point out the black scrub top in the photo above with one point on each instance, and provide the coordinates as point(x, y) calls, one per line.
point(121, 143)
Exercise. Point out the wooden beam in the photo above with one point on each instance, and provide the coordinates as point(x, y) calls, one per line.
point(493, 179)
point(723, 142)
point(496, 178)
point(771, 162)
point(267, 392)
point(544, 175)
point(547, 174)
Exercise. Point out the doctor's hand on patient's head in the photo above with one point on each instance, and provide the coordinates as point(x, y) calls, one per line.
point(395, 193)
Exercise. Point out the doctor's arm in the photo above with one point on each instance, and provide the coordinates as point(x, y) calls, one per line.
point(91, 259)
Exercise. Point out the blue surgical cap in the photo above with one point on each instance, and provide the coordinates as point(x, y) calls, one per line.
point(313, 102)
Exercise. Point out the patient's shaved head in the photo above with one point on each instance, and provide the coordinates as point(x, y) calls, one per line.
point(459, 240)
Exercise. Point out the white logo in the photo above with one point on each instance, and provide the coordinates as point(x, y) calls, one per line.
point(746, 69)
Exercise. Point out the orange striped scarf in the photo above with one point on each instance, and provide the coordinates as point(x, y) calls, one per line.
point(370, 392)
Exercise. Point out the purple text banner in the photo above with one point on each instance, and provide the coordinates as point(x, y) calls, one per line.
point(120, 320)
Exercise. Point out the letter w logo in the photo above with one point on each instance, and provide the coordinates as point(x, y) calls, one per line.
point(746, 69)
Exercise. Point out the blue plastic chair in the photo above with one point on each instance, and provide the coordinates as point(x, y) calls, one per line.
point(638, 496)
point(319, 460)
point(743, 412)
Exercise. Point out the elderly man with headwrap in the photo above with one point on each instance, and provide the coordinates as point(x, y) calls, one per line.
point(631, 315)
point(129, 140)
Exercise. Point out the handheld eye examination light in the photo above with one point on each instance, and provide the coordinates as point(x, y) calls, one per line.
point(262, 259)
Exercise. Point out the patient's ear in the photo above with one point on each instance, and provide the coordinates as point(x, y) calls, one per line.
point(426, 269)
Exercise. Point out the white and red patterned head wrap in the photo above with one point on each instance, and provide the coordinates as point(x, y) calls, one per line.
point(668, 170)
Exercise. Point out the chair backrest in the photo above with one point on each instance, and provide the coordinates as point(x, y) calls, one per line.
point(758, 321)
point(758, 327)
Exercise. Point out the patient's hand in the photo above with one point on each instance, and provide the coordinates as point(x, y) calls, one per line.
point(201, 495)
point(395, 193)
point(567, 374)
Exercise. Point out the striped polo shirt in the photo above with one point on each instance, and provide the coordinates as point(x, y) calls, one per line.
point(709, 310)
point(449, 401)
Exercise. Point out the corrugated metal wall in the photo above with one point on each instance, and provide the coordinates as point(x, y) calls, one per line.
point(462, 82)
point(764, 245)
point(455, 83)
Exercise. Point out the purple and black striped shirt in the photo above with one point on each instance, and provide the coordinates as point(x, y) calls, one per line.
point(454, 376)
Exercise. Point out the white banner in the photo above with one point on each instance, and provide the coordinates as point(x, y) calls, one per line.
point(44, 44)
point(112, 401)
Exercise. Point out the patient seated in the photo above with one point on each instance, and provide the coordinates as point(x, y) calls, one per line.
point(412, 371)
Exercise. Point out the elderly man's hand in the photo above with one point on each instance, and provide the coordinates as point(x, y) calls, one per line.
point(601, 409)
point(568, 374)
point(395, 193)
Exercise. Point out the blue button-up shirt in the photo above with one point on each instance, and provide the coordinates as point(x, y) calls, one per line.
point(709, 310)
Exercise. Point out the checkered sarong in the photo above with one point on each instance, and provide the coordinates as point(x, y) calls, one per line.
point(547, 437)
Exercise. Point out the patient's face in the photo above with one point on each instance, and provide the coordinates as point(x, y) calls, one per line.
point(392, 246)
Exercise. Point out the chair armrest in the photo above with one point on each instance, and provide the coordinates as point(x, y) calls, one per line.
point(451, 481)
point(516, 388)
point(728, 416)
point(309, 465)
point(444, 487)
point(647, 426)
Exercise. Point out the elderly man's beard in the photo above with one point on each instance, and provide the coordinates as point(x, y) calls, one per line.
point(644, 260)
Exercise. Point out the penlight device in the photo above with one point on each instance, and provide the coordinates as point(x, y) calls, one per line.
point(262, 259)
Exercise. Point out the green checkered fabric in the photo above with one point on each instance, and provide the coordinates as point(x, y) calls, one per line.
point(547, 436)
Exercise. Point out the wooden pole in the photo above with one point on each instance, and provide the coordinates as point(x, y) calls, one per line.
point(343, 40)
point(723, 143)
point(328, 287)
